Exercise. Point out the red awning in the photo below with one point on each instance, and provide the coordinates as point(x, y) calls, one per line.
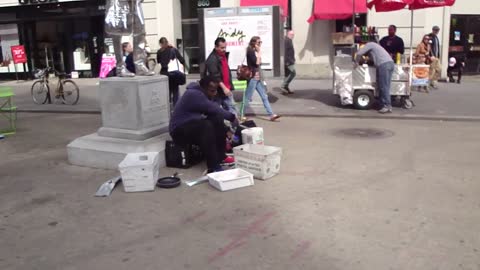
point(282, 3)
point(337, 9)
point(418, 4)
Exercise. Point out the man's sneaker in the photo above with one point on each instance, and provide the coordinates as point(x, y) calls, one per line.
point(228, 161)
point(385, 110)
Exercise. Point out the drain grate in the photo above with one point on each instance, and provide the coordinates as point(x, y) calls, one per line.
point(364, 133)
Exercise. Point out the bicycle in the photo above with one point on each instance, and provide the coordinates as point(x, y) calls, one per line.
point(66, 89)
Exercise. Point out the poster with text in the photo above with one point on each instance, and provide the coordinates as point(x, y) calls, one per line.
point(237, 31)
point(18, 54)
point(108, 63)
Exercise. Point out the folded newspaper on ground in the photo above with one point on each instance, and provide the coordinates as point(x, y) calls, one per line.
point(106, 188)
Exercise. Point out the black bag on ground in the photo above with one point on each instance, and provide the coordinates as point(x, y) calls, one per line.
point(183, 157)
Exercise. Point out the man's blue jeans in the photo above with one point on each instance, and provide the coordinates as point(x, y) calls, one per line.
point(229, 104)
point(384, 81)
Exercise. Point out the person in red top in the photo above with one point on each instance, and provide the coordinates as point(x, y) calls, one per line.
point(217, 67)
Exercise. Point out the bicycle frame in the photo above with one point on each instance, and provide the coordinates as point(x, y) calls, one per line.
point(59, 87)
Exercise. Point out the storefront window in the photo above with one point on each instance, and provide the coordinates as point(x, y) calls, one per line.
point(8, 38)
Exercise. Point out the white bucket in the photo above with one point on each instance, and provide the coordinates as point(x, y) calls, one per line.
point(253, 136)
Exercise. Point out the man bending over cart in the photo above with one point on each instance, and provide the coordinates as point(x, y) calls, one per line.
point(385, 66)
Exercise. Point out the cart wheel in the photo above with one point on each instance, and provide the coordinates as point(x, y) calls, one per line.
point(363, 99)
point(407, 103)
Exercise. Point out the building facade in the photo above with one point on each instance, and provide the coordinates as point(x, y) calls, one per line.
point(69, 33)
point(65, 34)
point(313, 41)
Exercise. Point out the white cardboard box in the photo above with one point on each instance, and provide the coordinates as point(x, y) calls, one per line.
point(230, 179)
point(139, 171)
point(261, 160)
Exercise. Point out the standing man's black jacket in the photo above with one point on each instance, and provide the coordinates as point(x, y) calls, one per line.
point(435, 52)
point(213, 67)
point(289, 52)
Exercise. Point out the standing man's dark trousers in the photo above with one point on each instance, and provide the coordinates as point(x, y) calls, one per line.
point(384, 81)
point(209, 134)
point(290, 74)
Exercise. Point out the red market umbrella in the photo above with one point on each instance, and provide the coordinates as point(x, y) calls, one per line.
point(419, 4)
point(388, 5)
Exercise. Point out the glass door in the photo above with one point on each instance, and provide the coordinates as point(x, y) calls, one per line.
point(190, 30)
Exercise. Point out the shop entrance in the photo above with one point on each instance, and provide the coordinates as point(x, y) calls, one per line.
point(465, 41)
point(67, 45)
point(190, 30)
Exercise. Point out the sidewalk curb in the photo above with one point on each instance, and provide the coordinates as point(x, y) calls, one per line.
point(350, 116)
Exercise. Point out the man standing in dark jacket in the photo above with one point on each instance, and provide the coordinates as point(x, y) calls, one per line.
point(198, 120)
point(217, 67)
point(290, 71)
point(392, 43)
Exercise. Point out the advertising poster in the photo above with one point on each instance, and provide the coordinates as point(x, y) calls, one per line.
point(18, 54)
point(237, 31)
point(108, 63)
point(420, 75)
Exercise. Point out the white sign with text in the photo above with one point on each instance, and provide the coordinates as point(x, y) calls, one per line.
point(237, 31)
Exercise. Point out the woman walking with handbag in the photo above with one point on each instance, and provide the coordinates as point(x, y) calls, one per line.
point(166, 54)
point(254, 61)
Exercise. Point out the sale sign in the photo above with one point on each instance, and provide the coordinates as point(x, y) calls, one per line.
point(108, 63)
point(18, 54)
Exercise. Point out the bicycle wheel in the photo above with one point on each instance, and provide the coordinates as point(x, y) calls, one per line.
point(39, 92)
point(71, 93)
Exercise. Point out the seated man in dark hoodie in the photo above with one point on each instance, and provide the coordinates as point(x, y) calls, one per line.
point(198, 120)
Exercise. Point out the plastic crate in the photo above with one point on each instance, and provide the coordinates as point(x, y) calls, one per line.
point(139, 171)
point(230, 179)
point(261, 160)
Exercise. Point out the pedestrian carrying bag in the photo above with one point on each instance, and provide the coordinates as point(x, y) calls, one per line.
point(176, 71)
point(244, 72)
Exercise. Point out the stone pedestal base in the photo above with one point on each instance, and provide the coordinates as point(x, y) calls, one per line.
point(106, 153)
point(135, 118)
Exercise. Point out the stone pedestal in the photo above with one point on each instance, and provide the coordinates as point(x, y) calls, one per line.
point(135, 118)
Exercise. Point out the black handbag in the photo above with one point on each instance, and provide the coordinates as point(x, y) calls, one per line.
point(183, 157)
point(177, 77)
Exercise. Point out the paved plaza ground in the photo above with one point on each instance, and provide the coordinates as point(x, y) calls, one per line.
point(407, 198)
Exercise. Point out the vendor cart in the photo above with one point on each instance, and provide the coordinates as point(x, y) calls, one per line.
point(356, 85)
